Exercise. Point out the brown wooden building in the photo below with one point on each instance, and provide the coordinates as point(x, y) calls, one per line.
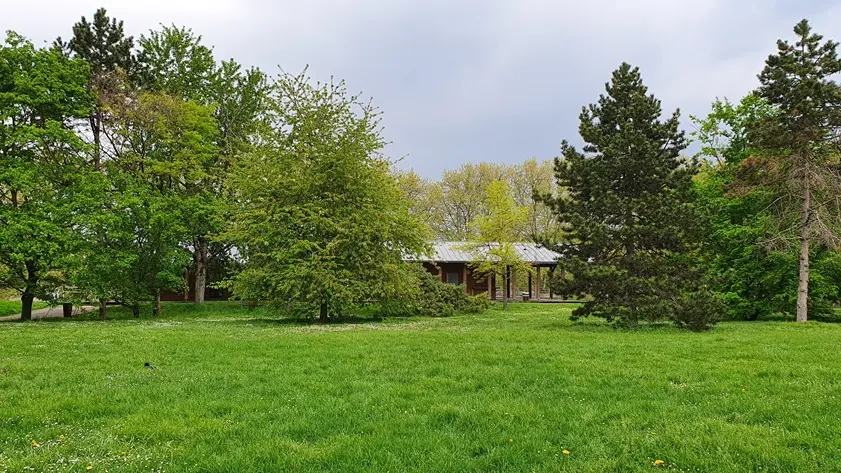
point(451, 261)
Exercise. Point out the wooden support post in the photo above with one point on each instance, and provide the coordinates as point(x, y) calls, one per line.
point(492, 286)
point(530, 291)
point(551, 277)
point(537, 282)
point(464, 280)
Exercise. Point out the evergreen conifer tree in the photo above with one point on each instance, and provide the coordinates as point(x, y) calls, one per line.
point(627, 208)
point(799, 162)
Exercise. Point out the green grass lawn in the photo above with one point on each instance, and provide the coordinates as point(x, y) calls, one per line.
point(237, 391)
point(9, 307)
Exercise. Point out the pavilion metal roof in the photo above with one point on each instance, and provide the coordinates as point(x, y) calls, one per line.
point(463, 252)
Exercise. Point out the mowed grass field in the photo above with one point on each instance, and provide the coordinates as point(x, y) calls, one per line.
point(238, 391)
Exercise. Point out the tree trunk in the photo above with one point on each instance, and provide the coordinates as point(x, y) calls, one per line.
point(103, 309)
point(156, 306)
point(26, 300)
point(67, 309)
point(506, 291)
point(200, 258)
point(95, 121)
point(28, 295)
point(323, 316)
point(805, 234)
point(135, 310)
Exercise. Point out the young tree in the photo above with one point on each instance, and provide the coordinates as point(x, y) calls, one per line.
point(627, 208)
point(801, 146)
point(497, 232)
point(42, 165)
point(320, 221)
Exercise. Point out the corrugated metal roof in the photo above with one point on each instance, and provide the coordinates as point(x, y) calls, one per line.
point(464, 252)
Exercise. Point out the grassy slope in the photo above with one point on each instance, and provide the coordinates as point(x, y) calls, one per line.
point(491, 392)
point(13, 307)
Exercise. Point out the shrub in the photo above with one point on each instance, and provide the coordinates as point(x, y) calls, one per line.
point(433, 298)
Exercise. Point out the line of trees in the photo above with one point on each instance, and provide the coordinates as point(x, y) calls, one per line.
point(130, 168)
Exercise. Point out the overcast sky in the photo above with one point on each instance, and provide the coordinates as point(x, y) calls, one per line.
point(484, 80)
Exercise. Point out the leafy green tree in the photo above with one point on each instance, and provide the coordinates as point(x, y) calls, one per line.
point(627, 208)
point(497, 232)
point(41, 164)
point(239, 100)
point(319, 219)
point(175, 61)
point(799, 163)
point(755, 279)
point(105, 47)
point(529, 180)
point(163, 150)
point(461, 199)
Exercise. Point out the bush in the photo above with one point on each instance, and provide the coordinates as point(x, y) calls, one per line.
point(434, 298)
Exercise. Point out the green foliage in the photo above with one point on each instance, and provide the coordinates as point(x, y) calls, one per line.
point(452, 205)
point(174, 60)
point(433, 298)
point(41, 164)
point(101, 43)
point(756, 280)
point(318, 217)
point(493, 245)
point(628, 209)
point(148, 199)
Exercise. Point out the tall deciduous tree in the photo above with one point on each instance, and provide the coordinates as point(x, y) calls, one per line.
point(496, 234)
point(801, 146)
point(176, 62)
point(627, 208)
point(320, 220)
point(42, 163)
point(164, 153)
point(462, 199)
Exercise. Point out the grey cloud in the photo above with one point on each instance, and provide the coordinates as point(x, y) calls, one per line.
point(476, 80)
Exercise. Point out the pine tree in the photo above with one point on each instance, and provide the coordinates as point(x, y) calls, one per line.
point(628, 213)
point(105, 47)
point(799, 163)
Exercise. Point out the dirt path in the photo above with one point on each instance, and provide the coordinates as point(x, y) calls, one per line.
point(49, 312)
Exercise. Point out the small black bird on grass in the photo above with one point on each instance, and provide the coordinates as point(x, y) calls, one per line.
point(150, 366)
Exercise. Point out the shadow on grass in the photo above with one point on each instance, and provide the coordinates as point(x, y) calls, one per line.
point(223, 312)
